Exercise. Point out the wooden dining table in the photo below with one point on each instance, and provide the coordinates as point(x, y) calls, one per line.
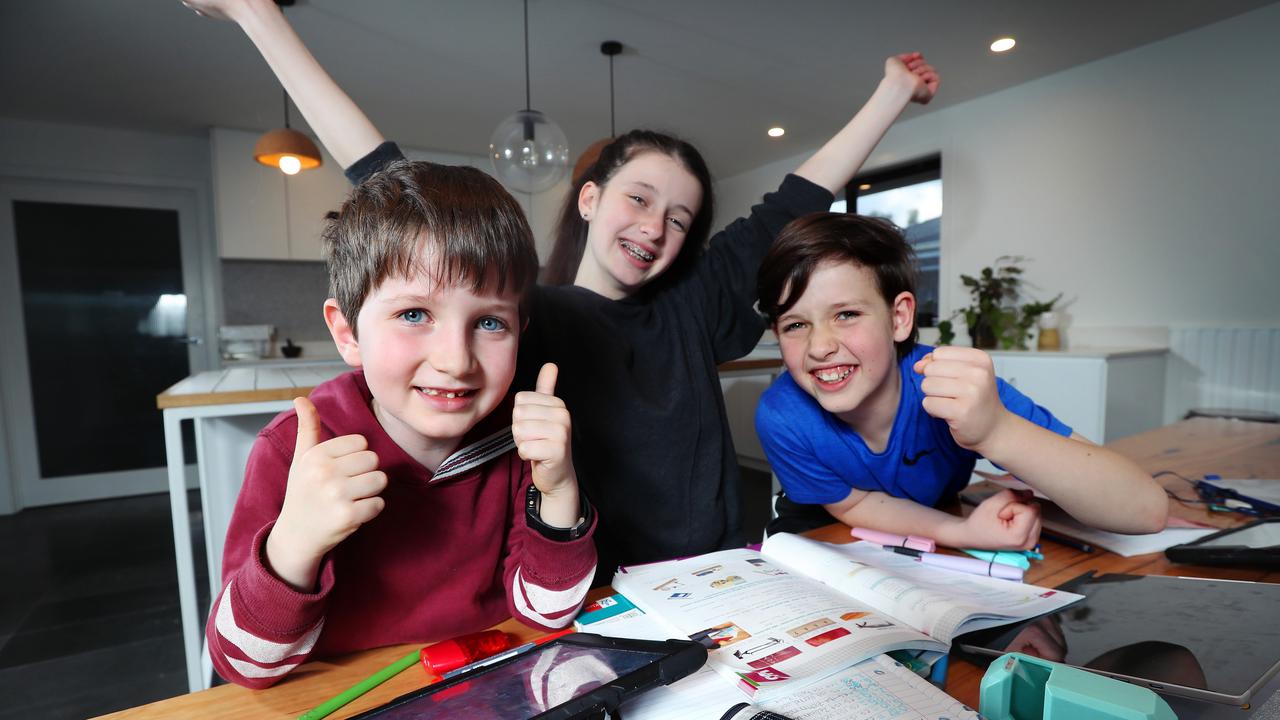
point(1191, 448)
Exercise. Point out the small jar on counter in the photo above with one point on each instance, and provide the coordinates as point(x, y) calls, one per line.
point(1049, 338)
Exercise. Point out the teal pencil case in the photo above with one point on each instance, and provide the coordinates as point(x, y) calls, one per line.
point(1021, 687)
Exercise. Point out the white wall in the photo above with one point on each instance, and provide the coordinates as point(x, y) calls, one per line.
point(1143, 185)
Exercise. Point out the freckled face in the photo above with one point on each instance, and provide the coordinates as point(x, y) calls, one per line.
point(837, 342)
point(437, 359)
point(638, 223)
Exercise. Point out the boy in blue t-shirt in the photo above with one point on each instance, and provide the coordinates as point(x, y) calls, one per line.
point(878, 429)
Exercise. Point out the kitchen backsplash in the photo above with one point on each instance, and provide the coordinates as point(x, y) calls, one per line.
point(289, 295)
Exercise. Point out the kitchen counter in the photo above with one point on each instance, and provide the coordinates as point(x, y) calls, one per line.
point(251, 383)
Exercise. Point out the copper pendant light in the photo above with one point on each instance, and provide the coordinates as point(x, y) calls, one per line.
point(286, 148)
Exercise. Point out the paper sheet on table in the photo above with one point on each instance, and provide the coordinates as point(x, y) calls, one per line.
point(1125, 545)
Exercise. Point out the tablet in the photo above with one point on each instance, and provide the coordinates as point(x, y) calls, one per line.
point(576, 676)
point(1256, 545)
point(1216, 640)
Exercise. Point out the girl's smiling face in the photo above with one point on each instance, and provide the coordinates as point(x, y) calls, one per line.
point(837, 342)
point(638, 222)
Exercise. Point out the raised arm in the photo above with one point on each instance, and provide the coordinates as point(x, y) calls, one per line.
point(907, 78)
point(344, 129)
point(1097, 486)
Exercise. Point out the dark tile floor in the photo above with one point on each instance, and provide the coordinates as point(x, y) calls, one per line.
point(89, 618)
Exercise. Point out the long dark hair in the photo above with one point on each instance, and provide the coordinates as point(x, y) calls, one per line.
point(571, 230)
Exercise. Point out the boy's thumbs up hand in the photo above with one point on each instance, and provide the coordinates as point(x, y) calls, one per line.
point(333, 489)
point(542, 430)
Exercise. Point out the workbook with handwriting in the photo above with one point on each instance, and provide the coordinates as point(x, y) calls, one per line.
point(800, 610)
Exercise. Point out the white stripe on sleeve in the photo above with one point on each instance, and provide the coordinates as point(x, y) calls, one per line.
point(260, 650)
point(543, 602)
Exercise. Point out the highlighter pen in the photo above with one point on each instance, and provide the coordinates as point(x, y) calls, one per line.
point(915, 542)
point(361, 687)
point(1012, 559)
point(960, 564)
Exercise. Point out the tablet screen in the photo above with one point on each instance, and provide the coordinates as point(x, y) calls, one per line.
point(534, 683)
point(1212, 639)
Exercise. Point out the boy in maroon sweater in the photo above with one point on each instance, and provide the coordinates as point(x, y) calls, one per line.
point(412, 499)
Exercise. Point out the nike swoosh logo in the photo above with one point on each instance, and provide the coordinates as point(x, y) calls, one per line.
point(912, 460)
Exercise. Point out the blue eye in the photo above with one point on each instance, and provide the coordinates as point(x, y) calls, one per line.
point(491, 324)
point(847, 314)
point(792, 326)
point(414, 316)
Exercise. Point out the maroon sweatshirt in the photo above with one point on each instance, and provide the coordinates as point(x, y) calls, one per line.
point(445, 557)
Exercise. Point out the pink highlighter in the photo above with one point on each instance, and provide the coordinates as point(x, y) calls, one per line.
point(915, 542)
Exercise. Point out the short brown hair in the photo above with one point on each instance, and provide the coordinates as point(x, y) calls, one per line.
point(809, 241)
point(473, 226)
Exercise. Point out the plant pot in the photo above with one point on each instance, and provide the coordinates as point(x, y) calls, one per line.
point(983, 335)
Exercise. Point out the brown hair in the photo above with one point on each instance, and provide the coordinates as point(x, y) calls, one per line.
point(571, 230)
point(809, 241)
point(474, 228)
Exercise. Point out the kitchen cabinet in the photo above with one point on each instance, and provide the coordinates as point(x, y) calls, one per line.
point(263, 214)
point(742, 381)
point(1103, 394)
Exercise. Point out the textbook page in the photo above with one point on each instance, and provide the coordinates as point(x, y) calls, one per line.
point(769, 628)
point(942, 603)
point(877, 689)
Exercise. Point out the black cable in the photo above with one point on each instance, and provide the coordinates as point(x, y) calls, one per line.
point(528, 103)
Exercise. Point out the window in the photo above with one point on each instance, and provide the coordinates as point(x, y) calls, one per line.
point(910, 196)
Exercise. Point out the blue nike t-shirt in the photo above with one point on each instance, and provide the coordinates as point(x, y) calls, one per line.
point(819, 459)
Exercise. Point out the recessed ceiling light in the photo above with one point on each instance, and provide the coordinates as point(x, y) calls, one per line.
point(1003, 44)
point(776, 132)
point(864, 186)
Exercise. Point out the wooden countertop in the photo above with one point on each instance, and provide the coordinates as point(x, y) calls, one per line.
point(248, 384)
point(264, 383)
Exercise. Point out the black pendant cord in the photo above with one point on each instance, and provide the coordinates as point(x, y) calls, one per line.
point(611, 48)
point(285, 94)
point(528, 103)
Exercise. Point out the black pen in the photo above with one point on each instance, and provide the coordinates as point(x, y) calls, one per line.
point(1064, 540)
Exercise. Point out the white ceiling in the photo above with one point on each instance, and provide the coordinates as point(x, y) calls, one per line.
point(442, 74)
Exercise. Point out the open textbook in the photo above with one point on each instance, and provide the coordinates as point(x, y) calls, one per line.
point(800, 610)
point(879, 688)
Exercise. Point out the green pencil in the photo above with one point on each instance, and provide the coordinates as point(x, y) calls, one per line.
point(361, 687)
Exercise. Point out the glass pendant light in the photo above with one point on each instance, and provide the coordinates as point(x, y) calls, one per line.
point(528, 150)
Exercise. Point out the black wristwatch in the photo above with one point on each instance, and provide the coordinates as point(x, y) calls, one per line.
point(533, 516)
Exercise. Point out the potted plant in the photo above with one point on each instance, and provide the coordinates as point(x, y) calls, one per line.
point(994, 317)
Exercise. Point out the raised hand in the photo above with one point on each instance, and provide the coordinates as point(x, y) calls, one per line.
point(333, 489)
point(912, 70)
point(960, 387)
point(542, 429)
point(216, 9)
point(1008, 520)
